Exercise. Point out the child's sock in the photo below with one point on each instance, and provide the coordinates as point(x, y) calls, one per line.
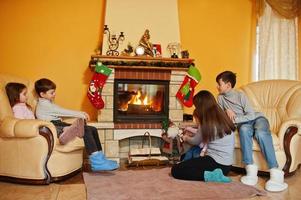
point(80, 125)
point(76, 129)
point(216, 176)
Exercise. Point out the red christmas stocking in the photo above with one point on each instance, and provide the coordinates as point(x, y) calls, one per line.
point(102, 73)
point(186, 91)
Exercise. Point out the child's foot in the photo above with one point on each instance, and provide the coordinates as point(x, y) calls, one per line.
point(76, 129)
point(216, 176)
point(80, 125)
point(100, 163)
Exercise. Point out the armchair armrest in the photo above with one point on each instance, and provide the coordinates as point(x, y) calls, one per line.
point(288, 131)
point(288, 126)
point(23, 128)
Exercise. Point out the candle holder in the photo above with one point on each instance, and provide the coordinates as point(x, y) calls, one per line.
point(113, 41)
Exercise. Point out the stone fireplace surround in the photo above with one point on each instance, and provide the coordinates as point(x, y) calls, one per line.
point(118, 138)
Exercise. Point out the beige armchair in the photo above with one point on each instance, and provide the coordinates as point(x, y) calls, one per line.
point(29, 149)
point(280, 101)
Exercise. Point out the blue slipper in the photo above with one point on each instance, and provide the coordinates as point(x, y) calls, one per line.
point(216, 176)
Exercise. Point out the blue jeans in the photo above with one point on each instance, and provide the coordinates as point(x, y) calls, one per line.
point(260, 129)
point(193, 152)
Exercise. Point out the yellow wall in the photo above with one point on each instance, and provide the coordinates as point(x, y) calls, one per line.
point(218, 36)
point(54, 39)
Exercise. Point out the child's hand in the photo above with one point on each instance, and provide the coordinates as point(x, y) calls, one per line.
point(188, 132)
point(203, 153)
point(230, 114)
point(185, 138)
point(87, 117)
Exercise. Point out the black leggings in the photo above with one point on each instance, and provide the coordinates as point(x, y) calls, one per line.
point(91, 139)
point(194, 169)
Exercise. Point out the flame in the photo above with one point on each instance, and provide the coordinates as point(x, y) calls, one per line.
point(138, 99)
point(145, 101)
point(155, 104)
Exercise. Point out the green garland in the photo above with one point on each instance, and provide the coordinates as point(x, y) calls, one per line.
point(180, 64)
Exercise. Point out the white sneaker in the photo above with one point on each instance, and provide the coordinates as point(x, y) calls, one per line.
point(276, 182)
point(251, 177)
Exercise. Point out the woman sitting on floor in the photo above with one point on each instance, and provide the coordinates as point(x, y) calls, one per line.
point(215, 130)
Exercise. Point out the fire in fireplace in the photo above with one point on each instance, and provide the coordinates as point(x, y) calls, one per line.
point(140, 100)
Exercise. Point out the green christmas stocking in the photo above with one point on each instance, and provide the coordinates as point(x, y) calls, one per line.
point(186, 91)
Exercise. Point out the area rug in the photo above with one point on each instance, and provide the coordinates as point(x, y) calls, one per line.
point(158, 184)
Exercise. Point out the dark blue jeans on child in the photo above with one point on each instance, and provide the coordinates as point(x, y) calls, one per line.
point(193, 152)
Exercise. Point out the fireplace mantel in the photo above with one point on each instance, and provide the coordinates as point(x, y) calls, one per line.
point(142, 62)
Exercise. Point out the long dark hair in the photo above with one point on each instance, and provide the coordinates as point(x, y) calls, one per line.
point(13, 91)
point(213, 120)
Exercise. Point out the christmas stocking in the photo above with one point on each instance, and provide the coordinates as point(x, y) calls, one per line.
point(102, 72)
point(186, 91)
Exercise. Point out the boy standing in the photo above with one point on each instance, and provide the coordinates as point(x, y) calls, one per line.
point(249, 124)
point(47, 110)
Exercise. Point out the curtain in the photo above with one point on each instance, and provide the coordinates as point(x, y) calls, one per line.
point(277, 46)
point(288, 9)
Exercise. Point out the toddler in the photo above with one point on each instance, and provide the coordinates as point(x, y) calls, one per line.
point(17, 96)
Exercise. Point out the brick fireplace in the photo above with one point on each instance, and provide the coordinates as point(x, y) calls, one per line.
point(140, 96)
point(118, 135)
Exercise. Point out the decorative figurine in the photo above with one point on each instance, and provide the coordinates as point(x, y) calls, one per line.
point(185, 54)
point(174, 49)
point(128, 51)
point(146, 44)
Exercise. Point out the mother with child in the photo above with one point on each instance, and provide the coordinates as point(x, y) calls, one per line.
point(217, 121)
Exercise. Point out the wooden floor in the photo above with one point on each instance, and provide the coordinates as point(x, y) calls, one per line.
point(74, 189)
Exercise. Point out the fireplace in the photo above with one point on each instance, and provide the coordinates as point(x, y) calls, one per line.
point(141, 100)
point(132, 79)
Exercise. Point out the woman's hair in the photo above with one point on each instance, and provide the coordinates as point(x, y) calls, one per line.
point(13, 91)
point(214, 122)
point(43, 85)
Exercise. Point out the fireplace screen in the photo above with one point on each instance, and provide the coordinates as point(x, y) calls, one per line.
point(140, 100)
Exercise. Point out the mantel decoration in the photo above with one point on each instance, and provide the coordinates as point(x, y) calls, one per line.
point(174, 49)
point(128, 51)
point(138, 61)
point(113, 41)
point(145, 47)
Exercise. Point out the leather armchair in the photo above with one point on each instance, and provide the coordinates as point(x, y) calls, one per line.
point(29, 149)
point(280, 101)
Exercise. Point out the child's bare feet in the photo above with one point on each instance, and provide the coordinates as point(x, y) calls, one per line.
point(76, 129)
